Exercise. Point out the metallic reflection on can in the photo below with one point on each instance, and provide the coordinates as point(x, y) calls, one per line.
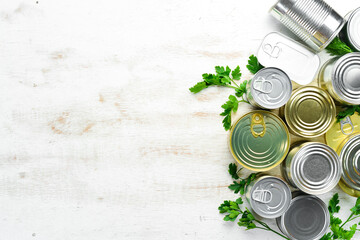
point(350, 34)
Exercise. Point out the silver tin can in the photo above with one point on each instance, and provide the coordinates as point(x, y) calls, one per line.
point(350, 159)
point(340, 77)
point(270, 88)
point(312, 167)
point(306, 219)
point(313, 21)
point(268, 196)
point(350, 33)
point(276, 50)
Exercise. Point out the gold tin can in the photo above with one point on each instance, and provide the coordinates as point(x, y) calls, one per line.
point(310, 112)
point(349, 152)
point(259, 140)
point(339, 131)
point(340, 77)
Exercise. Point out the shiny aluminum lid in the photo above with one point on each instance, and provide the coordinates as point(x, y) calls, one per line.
point(270, 197)
point(271, 88)
point(339, 131)
point(315, 168)
point(346, 78)
point(310, 112)
point(306, 219)
point(353, 28)
point(259, 140)
point(296, 60)
point(350, 161)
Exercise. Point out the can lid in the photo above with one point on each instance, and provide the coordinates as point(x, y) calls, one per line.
point(339, 131)
point(277, 50)
point(353, 30)
point(271, 88)
point(310, 112)
point(306, 219)
point(345, 78)
point(259, 140)
point(315, 168)
point(350, 161)
point(270, 197)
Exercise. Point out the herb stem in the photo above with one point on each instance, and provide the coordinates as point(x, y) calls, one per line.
point(234, 83)
point(347, 220)
point(267, 228)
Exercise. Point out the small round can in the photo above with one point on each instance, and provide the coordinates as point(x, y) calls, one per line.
point(270, 88)
point(259, 140)
point(313, 21)
point(349, 151)
point(340, 77)
point(312, 167)
point(307, 218)
point(339, 131)
point(310, 112)
point(268, 196)
point(350, 33)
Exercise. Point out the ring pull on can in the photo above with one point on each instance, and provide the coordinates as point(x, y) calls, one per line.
point(261, 83)
point(257, 119)
point(262, 195)
point(345, 121)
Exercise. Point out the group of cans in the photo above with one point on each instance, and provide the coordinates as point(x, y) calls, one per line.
point(260, 140)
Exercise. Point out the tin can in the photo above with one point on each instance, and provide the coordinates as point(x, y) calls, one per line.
point(310, 112)
point(340, 77)
point(313, 21)
point(270, 88)
point(306, 219)
point(349, 151)
point(312, 167)
point(339, 131)
point(276, 50)
point(350, 34)
point(259, 140)
point(268, 196)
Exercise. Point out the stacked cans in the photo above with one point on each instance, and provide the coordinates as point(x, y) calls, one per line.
point(260, 140)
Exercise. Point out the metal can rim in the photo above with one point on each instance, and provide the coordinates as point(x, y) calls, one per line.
point(348, 25)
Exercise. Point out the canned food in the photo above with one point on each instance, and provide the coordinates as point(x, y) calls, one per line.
point(276, 50)
point(313, 21)
point(350, 33)
point(349, 151)
point(270, 88)
point(312, 167)
point(259, 140)
point(310, 112)
point(341, 130)
point(340, 77)
point(269, 197)
point(306, 219)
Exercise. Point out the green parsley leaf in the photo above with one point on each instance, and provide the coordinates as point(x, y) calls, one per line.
point(356, 208)
point(241, 185)
point(198, 87)
point(240, 91)
point(233, 171)
point(326, 236)
point(348, 111)
point(236, 74)
point(337, 47)
point(253, 64)
point(334, 204)
point(230, 106)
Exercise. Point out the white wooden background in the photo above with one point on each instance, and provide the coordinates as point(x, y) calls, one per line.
point(100, 137)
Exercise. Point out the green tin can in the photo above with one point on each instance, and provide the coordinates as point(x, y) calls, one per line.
point(259, 140)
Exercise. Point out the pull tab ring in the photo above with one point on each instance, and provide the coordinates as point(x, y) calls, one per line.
point(345, 121)
point(257, 119)
point(272, 51)
point(259, 85)
point(261, 195)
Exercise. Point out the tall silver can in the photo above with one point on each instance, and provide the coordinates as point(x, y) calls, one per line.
point(312, 167)
point(350, 33)
point(268, 196)
point(313, 21)
point(340, 77)
point(306, 219)
point(270, 88)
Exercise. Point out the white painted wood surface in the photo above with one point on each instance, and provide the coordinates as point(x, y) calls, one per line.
point(100, 137)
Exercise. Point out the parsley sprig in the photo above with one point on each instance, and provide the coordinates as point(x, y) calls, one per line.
point(348, 111)
point(337, 225)
point(240, 185)
point(232, 209)
point(225, 77)
point(338, 48)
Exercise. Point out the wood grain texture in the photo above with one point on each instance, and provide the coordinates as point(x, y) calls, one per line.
point(100, 137)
